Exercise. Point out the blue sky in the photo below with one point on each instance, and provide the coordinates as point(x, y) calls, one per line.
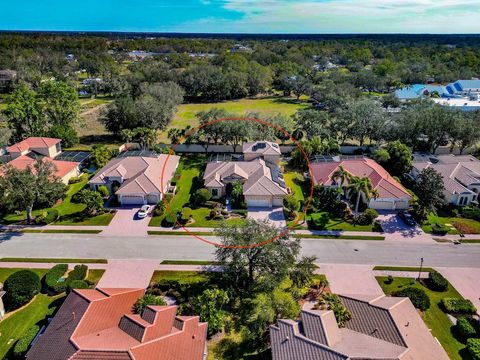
point(246, 16)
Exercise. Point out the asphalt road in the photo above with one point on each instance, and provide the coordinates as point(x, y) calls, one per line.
point(187, 247)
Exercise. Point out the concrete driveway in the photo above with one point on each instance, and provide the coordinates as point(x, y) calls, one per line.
point(396, 229)
point(274, 215)
point(465, 281)
point(351, 279)
point(126, 223)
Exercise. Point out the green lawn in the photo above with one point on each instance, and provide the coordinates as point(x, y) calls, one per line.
point(467, 226)
point(68, 211)
point(13, 327)
point(55, 260)
point(339, 237)
point(183, 277)
point(403, 268)
point(6, 272)
point(179, 233)
point(94, 275)
point(188, 262)
point(296, 183)
point(334, 225)
point(189, 182)
point(434, 317)
point(61, 231)
point(186, 114)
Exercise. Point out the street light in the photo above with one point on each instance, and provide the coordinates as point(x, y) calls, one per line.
point(420, 272)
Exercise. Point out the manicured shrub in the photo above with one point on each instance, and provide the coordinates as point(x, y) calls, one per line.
point(470, 212)
point(465, 328)
point(52, 215)
point(437, 282)
point(439, 229)
point(459, 306)
point(22, 345)
point(377, 226)
point(54, 280)
point(201, 196)
point(103, 190)
point(79, 272)
point(320, 220)
point(75, 179)
point(186, 214)
point(168, 221)
point(20, 287)
point(291, 203)
point(418, 297)
point(332, 302)
point(77, 284)
point(147, 299)
point(240, 212)
point(40, 218)
point(473, 346)
point(159, 208)
point(367, 217)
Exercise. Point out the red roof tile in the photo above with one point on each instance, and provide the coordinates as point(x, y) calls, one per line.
point(33, 142)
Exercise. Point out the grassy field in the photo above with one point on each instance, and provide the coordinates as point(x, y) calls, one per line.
point(180, 233)
point(186, 114)
point(434, 317)
point(60, 231)
point(68, 211)
point(334, 225)
point(403, 268)
point(296, 183)
point(6, 272)
point(467, 226)
point(183, 277)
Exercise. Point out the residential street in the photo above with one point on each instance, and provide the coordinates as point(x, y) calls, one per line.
point(187, 247)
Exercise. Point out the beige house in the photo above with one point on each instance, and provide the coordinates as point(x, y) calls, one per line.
point(24, 153)
point(387, 328)
point(461, 175)
point(262, 180)
point(136, 180)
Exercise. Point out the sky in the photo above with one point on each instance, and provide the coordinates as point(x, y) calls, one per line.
point(244, 16)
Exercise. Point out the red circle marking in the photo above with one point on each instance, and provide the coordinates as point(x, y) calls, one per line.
point(276, 127)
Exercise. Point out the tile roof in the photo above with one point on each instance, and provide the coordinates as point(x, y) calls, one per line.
point(62, 168)
point(258, 176)
point(33, 143)
point(381, 328)
point(141, 175)
point(105, 328)
point(261, 147)
point(381, 180)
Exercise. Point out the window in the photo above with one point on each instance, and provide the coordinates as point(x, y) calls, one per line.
point(214, 192)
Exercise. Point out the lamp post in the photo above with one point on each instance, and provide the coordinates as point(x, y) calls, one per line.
point(420, 272)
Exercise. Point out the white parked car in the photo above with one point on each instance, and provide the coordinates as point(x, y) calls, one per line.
point(143, 212)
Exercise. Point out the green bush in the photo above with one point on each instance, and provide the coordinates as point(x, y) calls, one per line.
point(459, 306)
point(53, 276)
point(22, 345)
point(20, 287)
point(465, 328)
point(186, 214)
point(437, 282)
point(52, 216)
point(377, 226)
point(77, 284)
point(368, 217)
point(75, 179)
point(147, 299)
point(320, 220)
point(168, 221)
point(40, 218)
point(291, 203)
point(332, 302)
point(159, 208)
point(473, 346)
point(471, 213)
point(103, 190)
point(201, 196)
point(439, 229)
point(418, 297)
point(240, 212)
point(79, 272)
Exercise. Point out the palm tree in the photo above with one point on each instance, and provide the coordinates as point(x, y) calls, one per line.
point(341, 177)
point(364, 189)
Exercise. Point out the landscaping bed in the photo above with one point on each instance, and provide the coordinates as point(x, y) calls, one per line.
point(452, 224)
point(54, 260)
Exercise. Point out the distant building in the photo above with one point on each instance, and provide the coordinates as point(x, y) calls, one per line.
point(386, 328)
point(100, 324)
point(461, 175)
point(240, 48)
point(7, 79)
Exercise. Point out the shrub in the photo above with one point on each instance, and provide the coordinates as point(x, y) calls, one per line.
point(368, 217)
point(320, 220)
point(332, 302)
point(471, 213)
point(79, 272)
point(437, 282)
point(241, 212)
point(168, 221)
point(77, 284)
point(473, 346)
point(186, 214)
point(75, 179)
point(465, 328)
point(40, 218)
point(377, 226)
point(201, 196)
point(24, 342)
point(291, 203)
point(159, 208)
point(52, 215)
point(103, 190)
point(459, 306)
point(20, 287)
point(389, 279)
point(418, 297)
point(147, 299)
point(439, 229)
point(53, 276)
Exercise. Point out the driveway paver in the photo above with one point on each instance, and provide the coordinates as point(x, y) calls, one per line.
point(126, 223)
point(396, 230)
point(274, 215)
point(351, 279)
point(128, 274)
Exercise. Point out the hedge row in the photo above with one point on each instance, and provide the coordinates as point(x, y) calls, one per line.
point(465, 328)
point(418, 297)
point(459, 306)
point(437, 282)
point(473, 346)
point(53, 276)
point(24, 342)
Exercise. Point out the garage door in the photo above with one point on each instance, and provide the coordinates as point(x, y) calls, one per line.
point(382, 205)
point(259, 202)
point(132, 200)
point(152, 198)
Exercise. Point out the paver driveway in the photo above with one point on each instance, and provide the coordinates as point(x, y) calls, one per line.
point(126, 223)
point(351, 279)
point(396, 229)
point(128, 273)
point(274, 215)
point(466, 281)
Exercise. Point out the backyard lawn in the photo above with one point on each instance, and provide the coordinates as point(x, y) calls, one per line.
point(186, 114)
point(296, 183)
point(434, 317)
point(68, 211)
point(467, 226)
point(189, 182)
